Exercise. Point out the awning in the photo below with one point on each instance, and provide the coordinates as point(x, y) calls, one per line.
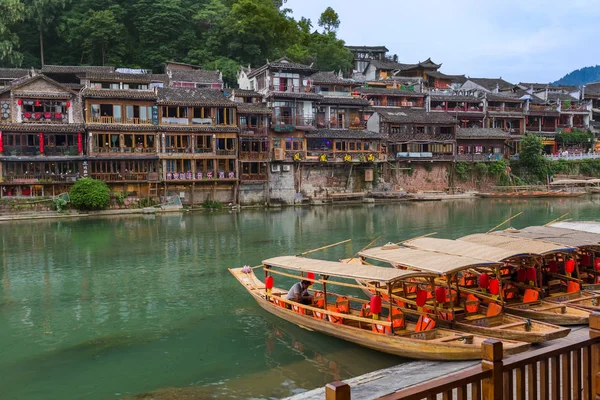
point(518, 245)
point(585, 226)
point(562, 236)
point(466, 249)
point(343, 270)
point(438, 263)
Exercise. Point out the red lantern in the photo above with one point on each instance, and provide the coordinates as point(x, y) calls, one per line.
point(269, 282)
point(494, 286)
point(20, 102)
point(37, 103)
point(553, 266)
point(80, 146)
point(375, 304)
point(521, 275)
point(570, 266)
point(440, 294)
point(597, 264)
point(41, 143)
point(531, 274)
point(484, 281)
point(421, 297)
point(37, 115)
point(48, 115)
point(1, 144)
point(68, 104)
point(58, 115)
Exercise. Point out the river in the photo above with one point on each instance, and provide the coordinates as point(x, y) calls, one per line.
point(120, 307)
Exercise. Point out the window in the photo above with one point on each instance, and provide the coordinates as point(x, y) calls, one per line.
point(293, 144)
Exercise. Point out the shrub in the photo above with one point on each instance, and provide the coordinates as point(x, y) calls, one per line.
point(89, 194)
point(211, 204)
point(59, 204)
point(463, 170)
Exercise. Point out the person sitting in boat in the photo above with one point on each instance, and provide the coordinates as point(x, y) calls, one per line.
point(299, 293)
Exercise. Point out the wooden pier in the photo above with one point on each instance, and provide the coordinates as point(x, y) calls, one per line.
point(567, 369)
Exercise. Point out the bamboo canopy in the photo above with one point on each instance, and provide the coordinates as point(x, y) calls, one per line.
point(466, 249)
point(585, 226)
point(343, 270)
point(520, 245)
point(562, 236)
point(438, 263)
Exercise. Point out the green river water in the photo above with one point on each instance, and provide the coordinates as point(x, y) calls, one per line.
point(118, 307)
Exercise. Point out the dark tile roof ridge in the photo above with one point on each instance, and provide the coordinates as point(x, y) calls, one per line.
point(27, 80)
point(49, 68)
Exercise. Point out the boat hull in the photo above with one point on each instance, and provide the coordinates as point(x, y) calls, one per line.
point(540, 311)
point(525, 195)
point(410, 346)
point(586, 300)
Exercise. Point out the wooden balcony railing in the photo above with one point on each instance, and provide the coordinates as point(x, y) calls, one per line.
point(289, 88)
point(116, 150)
point(40, 178)
point(199, 176)
point(293, 121)
point(119, 120)
point(254, 177)
point(534, 107)
point(258, 131)
point(254, 155)
point(505, 109)
point(567, 369)
point(226, 152)
point(47, 117)
point(115, 176)
point(479, 157)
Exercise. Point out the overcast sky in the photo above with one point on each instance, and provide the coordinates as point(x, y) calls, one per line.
point(518, 40)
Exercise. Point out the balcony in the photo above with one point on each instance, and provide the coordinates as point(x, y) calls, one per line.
point(40, 178)
point(505, 109)
point(21, 150)
point(575, 107)
point(479, 157)
point(329, 156)
point(61, 151)
point(199, 176)
point(321, 123)
point(187, 149)
point(289, 89)
point(224, 152)
point(283, 124)
point(116, 177)
point(118, 150)
point(258, 131)
point(254, 155)
point(118, 120)
point(534, 107)
point(44, 117)
point(422, 155)
point(254, 177)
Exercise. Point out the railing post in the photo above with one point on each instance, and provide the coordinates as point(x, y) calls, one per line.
point(492, 360)
point(595, 356)
point(337, 391)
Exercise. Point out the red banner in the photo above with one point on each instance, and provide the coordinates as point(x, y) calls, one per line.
point(79, 144)
point(1, 144)
point(41, 143)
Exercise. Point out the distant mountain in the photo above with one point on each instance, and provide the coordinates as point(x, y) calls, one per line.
point(580, 76)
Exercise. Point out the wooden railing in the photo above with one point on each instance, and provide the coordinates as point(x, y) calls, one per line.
point(568, 369)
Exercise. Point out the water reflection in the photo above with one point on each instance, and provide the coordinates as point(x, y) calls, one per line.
point(148, 303)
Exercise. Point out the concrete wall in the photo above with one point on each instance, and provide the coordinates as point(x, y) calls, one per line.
point(253, 193)
point(282, 187)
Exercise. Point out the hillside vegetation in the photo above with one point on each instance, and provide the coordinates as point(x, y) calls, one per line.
point(580, 76)
point(216, 34)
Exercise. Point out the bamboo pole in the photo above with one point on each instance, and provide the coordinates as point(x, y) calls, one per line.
point(323, 248)
point(418, 237)
point(363, 249)
point(557, 219)
point(499, 225)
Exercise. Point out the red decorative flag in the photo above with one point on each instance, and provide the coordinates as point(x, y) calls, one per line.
point(41, 143)
point(79, 143)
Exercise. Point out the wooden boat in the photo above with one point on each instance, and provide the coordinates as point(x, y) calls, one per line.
point(464, 307)
point(594, 190)
point(529, 194)
point(512, 255)
point(392, 335)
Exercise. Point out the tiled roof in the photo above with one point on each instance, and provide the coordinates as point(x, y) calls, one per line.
point(281, 64)
point(344, 134)
point(367, 48)
point(292, 95)
point(122, 127)
point(329, 78)
point(510, 97)
point(118, 77)
point(447, 97)
point(560, 97)
point(196, 75)
point(13, 73)
point(193, 97)
point(491, 83)
point(409, 135)
point(390, 65)
point(415, 117)
point(253, 108)
point(43, 95)
point(344, 101)
point(72, 69)
point(390, 91)
point(245, 93)
point(481, 133)
point(26, 81)
point(198, 128)
point(66, 128)
point(118, 94)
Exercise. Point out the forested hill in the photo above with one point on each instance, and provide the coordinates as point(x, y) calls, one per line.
point(216, 34)
point(580, 76)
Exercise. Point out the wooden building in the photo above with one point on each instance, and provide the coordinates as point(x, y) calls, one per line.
point(482, 144)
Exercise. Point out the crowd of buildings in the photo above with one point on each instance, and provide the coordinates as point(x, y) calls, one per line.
point(184, 132)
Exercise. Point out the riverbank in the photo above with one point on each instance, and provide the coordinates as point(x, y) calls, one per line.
point(73, 214)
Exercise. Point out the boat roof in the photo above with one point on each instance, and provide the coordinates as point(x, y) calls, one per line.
point(466, 249)
point(585, 226)
point(430, 261)
point(565, 237)
point(521, 245)
point(343, 270)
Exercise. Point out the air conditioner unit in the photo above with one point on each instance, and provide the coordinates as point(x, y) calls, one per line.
point(287, 168)
point(275, 167)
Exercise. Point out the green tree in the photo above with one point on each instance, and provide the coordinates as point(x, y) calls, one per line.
point(11, 12)
point(90, 194)
point(102, 38)
point(329, 20)
point(531, 158)
point(43, 14)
